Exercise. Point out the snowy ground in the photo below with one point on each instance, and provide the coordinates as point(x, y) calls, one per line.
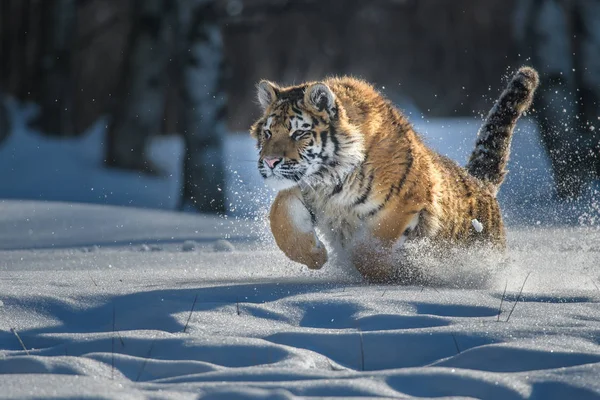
point(101, 298)
point(101, 301)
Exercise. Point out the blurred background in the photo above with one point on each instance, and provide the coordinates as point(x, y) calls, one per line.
point(148, 102)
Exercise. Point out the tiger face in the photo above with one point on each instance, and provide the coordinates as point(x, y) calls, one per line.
point(298, 136)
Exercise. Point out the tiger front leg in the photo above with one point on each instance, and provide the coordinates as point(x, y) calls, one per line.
point(293, 229)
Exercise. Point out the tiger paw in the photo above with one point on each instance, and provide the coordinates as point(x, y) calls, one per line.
point(316, 258)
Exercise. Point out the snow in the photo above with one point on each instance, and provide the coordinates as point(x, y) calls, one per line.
point(37, 167)
point(188, 245)
point(223, 245)
point(274, 328)
point(478, 226)
point(128, 302)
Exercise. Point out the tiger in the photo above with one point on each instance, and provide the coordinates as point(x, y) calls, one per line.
point(349, 169)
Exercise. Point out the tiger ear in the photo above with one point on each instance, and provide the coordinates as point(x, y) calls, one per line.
point(266, 93)
point(319, 96)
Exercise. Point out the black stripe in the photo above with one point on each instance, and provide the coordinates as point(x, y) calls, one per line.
point(337, 189)
point(408, 164)
point(313, 217)
point(368, 187)
point(295, 109)
point(463, 180)
point(323, 140)
point(375, 210)
point(395, 189)
point(334, 140)
point(334, 113)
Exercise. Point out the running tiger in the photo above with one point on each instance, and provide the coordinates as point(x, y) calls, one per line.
point(348, 164)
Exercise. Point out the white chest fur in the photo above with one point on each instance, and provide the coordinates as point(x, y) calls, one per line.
point(337, 221)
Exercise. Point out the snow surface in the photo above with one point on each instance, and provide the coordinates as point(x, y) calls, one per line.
point(109, 305)
point(100, 301)
point(38, 167)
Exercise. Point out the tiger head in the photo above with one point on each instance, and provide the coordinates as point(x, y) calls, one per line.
point(304, 136)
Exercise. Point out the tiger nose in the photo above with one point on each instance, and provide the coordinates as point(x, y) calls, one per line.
point(272, 161)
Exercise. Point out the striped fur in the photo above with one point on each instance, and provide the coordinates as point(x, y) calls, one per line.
point(350, 166)
point(490, 156)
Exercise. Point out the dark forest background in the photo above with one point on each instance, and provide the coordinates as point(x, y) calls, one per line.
point(190, 66)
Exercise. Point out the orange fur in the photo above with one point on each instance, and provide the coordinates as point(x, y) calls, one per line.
point(299, 246)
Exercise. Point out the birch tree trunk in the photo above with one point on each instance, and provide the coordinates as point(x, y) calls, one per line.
point(56, 92)
point(140, 106)
point(203, 105)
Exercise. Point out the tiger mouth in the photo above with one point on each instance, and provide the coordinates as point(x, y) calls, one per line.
point(283, 172)
point(290, 176)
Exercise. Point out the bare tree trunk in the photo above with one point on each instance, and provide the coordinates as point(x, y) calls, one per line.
point(56, 94)
point(4, 119)
point(141, 104)
point(544, 31)
point(4, 49)
point(204, 105)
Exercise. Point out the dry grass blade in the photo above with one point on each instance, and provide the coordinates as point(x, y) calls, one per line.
point(14, 331)
point(455, 343)
point(145, 360)
point(112, 370)
point(120, 338)
point(93, 281)
point(518, 297)
point(191, 311)
point(502, 300)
